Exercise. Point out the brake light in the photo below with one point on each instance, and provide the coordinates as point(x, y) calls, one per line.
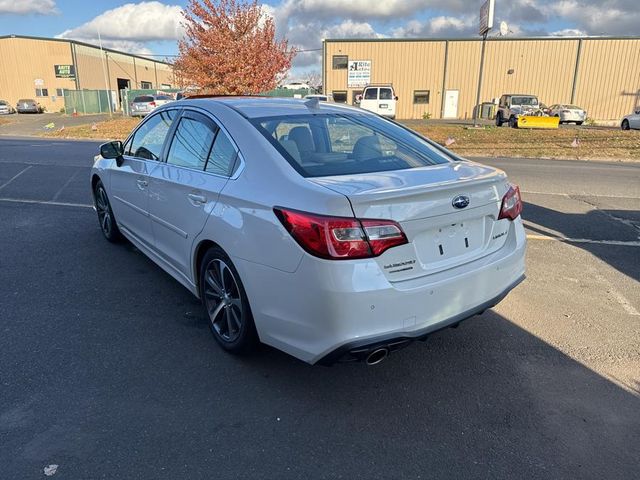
point(340, 237)
point(153, 104)
point(511, 204)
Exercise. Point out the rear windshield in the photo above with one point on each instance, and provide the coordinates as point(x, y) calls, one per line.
point(572, 107)
point(2, 102)
point(26, 100)
point(344, 144)
point(163, 97)
point(143, 98)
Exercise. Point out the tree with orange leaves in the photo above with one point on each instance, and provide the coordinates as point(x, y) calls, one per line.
point(230, 48)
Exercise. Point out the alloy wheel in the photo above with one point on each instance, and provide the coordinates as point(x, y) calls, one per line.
point(222, 299)
point(104, 212)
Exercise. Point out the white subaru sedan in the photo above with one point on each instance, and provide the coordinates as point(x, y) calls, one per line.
point(323, 230)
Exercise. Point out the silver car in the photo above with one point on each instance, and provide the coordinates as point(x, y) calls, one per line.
point(323, 230)
point(145, 104)
point(28, 105)
point(631, 121)
point(568, 113)
point(6, 108)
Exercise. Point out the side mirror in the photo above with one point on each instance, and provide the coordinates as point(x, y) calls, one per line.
point(395, 98)
point(112, 150)
point(638, 112)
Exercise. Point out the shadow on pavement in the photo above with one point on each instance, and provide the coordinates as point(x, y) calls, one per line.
point(108, 370)
point(594, 225)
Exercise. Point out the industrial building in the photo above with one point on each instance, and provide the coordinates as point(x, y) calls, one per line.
point(42, 68)
point(438, 78)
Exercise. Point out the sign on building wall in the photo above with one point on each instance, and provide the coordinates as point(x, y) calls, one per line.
point(359, 73)
point(65, 71)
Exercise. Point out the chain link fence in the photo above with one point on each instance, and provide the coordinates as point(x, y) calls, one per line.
point(89, 101)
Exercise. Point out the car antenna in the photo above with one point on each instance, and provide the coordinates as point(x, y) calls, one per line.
point(312, 103)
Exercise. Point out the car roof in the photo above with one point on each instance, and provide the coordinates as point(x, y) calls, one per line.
point(256, 107)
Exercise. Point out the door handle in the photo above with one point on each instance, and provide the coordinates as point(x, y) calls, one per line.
point(142, 184)
point(197, 199)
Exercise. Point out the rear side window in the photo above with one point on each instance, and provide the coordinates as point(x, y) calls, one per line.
point(222, 157)
point(143, 99)
point(191, 144)
point(343, 144)
point(371, 94)
point(147, 141)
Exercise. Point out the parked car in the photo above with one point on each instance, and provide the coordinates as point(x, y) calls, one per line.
point(325, 231)
point(28, 105)
point(144, 104)
point(380, 99)
point(631, 121)
point(568, 113)
point(296, 86)
point(6, 108)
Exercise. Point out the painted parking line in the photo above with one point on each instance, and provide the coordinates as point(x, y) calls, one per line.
point(621, 243)
point(45, 202)
point(567, 195)
point(14, 177)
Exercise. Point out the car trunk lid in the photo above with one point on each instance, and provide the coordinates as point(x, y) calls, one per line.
point(441, 236)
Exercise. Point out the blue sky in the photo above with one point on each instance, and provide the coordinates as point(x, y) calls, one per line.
point(153, 26)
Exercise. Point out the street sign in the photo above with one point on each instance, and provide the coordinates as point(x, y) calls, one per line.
point(65, 71)
point(486, 16)
point(359, 73)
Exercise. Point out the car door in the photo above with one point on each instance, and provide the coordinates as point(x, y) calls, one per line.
point(185, 188)
point(129, 182)
point(370, 99)
point(634, 120)
point(387, 103)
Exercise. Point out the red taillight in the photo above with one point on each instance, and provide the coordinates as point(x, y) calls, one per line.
point(152, 104)
point(340, 237)
point(511, 204)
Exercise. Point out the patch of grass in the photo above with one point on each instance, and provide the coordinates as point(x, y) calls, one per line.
point(116, 129)
point(601, 144)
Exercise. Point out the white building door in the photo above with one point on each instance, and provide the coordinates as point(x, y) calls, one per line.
point(451, 104)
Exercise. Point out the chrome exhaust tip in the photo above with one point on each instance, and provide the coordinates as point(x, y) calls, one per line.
point(377, 356)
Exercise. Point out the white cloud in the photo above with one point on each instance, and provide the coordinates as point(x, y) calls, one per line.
point(134, 22)
point(569, 32)
point(438, 26)
point(609, 17)
point(23, 7)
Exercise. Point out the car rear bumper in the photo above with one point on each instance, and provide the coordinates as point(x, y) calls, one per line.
point(326, 309)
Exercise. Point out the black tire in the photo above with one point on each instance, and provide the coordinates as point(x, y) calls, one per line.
point(226, 303)
point(578, 123)
point(513, 122)
point(107, 221)
point(625, 124)
point(499, 120)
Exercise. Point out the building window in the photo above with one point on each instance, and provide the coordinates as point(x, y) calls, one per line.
point(145, 85)
point(340, 62)
point(42, 92)
point(421, 96)
point(339, 96)
point(165, 86)
point(60, 92)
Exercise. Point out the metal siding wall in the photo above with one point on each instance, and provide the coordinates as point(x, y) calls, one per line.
point(609, 78)
point(608, 83)
point(408, 66)
point(463, 67)
point(22, 63)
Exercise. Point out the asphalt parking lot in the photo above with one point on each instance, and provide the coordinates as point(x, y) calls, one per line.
point(107, 367)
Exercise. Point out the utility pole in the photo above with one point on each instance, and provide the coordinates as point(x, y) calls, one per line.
point(486, 24)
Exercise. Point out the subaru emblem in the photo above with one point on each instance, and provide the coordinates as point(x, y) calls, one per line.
point(460, 201)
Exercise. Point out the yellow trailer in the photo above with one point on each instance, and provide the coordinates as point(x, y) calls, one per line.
point(535, 121)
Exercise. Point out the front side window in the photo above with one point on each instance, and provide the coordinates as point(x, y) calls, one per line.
point(343, 144)
point(191, 144)
point(147, 141)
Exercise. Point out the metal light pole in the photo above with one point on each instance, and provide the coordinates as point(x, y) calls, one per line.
point(486, 24)
point(476, 111)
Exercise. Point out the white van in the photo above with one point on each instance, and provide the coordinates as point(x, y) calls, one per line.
point(380, 99)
